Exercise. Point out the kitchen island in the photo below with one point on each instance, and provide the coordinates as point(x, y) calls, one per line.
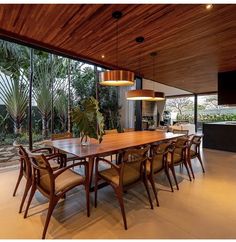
point(220, 135)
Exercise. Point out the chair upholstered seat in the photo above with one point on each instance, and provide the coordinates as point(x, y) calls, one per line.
point(193, 153)
point(131, 174)
point(54, 165)
point(157, 164)
point(64, 181)
point(177, 158)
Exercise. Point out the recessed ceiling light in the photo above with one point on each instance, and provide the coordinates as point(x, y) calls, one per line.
point(103, 56)
point(209, 6)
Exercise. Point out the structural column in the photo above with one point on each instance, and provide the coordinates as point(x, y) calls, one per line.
point(195, 111)
point(52, 100)
point(138, 105)
point(69, 99)
point(30, 98)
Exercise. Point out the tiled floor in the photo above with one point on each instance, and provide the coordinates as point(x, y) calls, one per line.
point(204, 208)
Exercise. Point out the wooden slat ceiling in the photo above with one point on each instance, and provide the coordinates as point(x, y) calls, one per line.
point(193, 43)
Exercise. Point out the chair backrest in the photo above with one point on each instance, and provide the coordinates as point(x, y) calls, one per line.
point(42, 173)
point(180, 131)
point(65, 135)
point(159, 153)
point(195, 143)
point(129, 130)
point(111, 131)
point(25, 161)
point(135, 157)
point(180, 146)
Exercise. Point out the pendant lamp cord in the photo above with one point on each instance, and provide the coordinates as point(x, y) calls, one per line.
point(117, 31)
point(153, 69)
point(140, 62)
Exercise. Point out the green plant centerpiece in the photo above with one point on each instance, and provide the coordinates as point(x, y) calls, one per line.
point(89, 120)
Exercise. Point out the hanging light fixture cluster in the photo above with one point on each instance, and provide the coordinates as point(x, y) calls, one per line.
point(146, 94)
point(126, 78)
point(117, 77)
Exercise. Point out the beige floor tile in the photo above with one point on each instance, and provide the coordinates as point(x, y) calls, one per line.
point(203, 208)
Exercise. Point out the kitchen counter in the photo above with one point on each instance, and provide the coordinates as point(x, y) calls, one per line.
point(220, 135)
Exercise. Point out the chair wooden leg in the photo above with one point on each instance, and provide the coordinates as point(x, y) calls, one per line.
point(52, 204)
point(18, 181)
point(200, 159)
point(32, 192)
point(119, 195)
point(148, 192)
point(168, 177)
point(191, 168)
point(96, 187)
point(27, 188)
point(186, 166)
point(87, 200)
point(154, 189)
point(173, 172)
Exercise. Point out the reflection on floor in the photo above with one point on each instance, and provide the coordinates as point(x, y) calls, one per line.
point(204, 208)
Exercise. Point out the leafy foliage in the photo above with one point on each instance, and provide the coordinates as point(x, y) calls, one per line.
point(61, 107)
point(14, 94)
point(89, 120)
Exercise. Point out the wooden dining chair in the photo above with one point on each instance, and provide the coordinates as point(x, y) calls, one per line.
point(66, 135)
point(177, 155)
point(55, 184)
point(180, 131)
point(128, 129)
point(130, 171)
point(26, 171)
point(193, 151)
point(112, 131)
point(156, 163)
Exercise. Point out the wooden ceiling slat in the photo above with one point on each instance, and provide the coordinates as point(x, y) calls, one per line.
point(193, 44)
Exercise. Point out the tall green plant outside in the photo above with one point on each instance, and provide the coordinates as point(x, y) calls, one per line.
point(14, 95)
point(47, 72)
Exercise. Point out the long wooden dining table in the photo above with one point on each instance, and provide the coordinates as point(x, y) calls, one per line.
point(111, 144)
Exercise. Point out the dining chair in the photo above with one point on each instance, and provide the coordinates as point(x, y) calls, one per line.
point(193, 151)
point(180, 131)
point(66, 135)
point(128, 129)
point(112, 131)
point(177, 155)
point(130, 171)
point(55, 184)
point(25, 169)
point(156, 163)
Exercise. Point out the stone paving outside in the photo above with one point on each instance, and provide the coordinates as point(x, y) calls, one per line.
point(8, 156)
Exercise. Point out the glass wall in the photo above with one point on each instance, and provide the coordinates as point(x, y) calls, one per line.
point(210, 111)
point(179, 110)
point(59, 84)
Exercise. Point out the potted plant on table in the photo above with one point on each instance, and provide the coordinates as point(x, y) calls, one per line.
point(89, 120)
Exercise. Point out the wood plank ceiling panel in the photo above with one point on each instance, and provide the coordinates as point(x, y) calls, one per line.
point(193, 43)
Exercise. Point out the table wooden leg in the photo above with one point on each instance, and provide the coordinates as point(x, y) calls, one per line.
point(91, 167)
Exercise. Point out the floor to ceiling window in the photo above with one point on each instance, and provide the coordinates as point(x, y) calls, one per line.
point(210, 111)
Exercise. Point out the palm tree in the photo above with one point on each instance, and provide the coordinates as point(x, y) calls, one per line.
point(61, 106)
point(48, 78)
point(14, 95)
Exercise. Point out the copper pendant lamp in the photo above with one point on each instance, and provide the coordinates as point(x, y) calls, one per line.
point(158, 96)
point(116, 77)
point(140, 94)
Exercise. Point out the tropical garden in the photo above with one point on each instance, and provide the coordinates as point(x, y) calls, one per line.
point(59, 86)
point(208, 110)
